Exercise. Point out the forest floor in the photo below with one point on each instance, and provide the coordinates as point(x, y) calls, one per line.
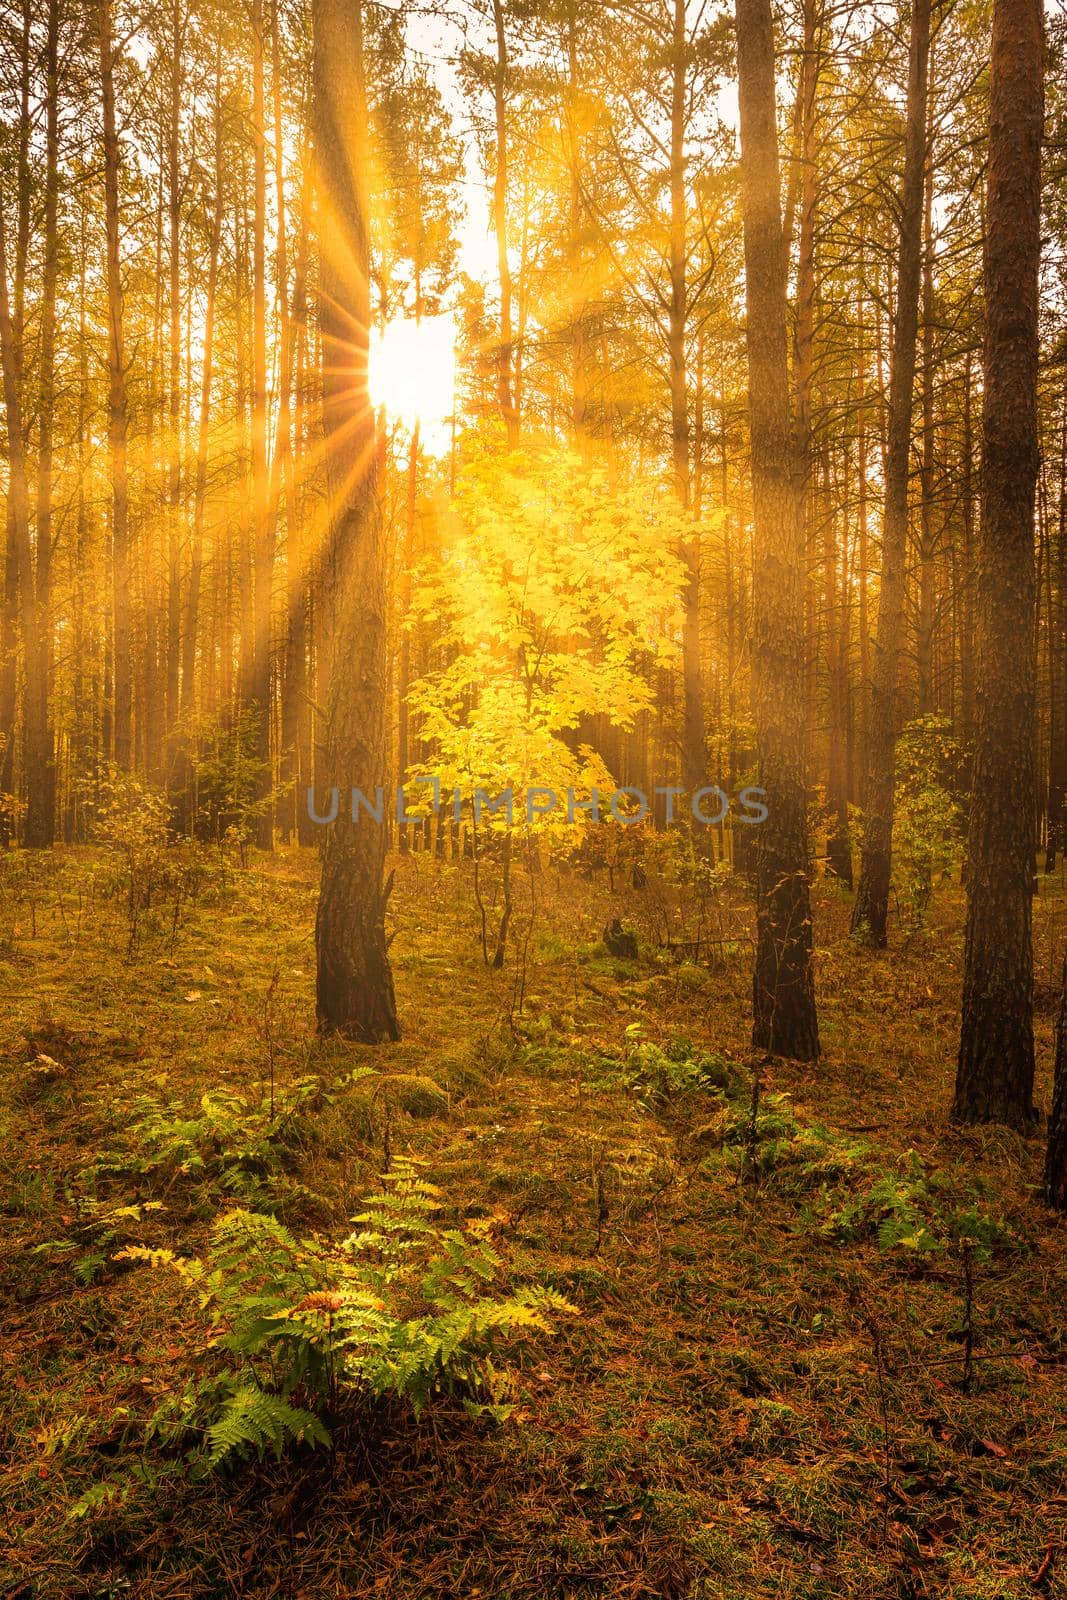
point(757, 1395)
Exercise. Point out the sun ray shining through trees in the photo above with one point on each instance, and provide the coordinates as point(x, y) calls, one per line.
point(533, 726)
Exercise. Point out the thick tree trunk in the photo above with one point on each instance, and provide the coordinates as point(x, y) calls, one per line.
point(995, 1071)
point(871, 909)
point(355, 981)
point(783, 987)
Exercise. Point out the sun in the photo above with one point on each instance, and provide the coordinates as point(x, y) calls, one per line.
point(413, 376)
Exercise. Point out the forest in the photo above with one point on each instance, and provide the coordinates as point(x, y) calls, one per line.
point(533, 799)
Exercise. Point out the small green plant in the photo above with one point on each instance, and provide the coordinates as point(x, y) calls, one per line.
point(657, 1076)
point(230, 778)
point(401, 1307)
point(94, 1230)
point(927, 822)
point(133, 823)
point(766, 1142)
point(924, 1215)
point(227, 1140)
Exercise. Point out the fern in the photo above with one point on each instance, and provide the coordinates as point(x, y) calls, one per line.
point(252, 1421)
point(403, 1306)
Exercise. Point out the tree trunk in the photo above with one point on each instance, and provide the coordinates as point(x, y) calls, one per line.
point(694, 765)
point(18, 494)
point(871, 909)
point(1056, 1157)
point(785, 1020)
point(505, 361)
point(117, 423)
point(927, 532)
point(263, 542)
point(355, 981)
point(995, 1071)
point(1057, 633)
point(40, 828)
point(174, 377)
point(196, 563)
point(296, 767)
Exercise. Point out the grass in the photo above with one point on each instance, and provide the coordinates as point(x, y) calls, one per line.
point(717, 1421)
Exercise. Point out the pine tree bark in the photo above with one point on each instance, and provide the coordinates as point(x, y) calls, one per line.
point(995, 1069)
point(870, 911)
point(354, 979)
point(785, 1020)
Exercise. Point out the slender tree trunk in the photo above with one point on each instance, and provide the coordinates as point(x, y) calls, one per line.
point(838, 848)
point(355, 981)
point(506, 355)
point(871, 909)
point(296, 765)
point(968, 576)
point(694, 764)
point(1057, 634)
point(188, 701)
point(117, 420)
point(18, 483)
point(263, 541)
point(403, 737)
point(995, 1071)
point(1056, 1157)
point(927, 530)
point(40, 826)
point(174, 377)
point(785, 1020)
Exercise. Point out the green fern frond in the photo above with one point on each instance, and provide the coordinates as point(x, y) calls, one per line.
point(253, 1421)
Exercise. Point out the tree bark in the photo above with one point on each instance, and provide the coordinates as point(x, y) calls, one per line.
point(785, 1020)
point(995, 1070)
point(354, 981)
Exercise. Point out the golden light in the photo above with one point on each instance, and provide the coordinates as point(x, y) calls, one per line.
point(413, 375)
